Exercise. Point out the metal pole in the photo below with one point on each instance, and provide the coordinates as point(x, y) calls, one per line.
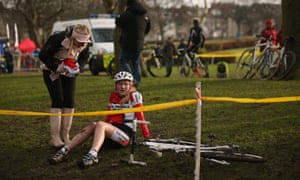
point(8, 35)
point(198, 131)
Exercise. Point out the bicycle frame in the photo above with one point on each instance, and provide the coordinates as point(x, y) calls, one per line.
point(257, 46)
point(267, 62)
point(193, 63)
point(249, 58)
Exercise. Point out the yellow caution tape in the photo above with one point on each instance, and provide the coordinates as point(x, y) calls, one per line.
point(253, 100)
point(103, 113)
point(159, 106)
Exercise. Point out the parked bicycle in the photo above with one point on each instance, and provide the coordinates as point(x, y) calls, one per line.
point(287, 60)
point(274, 62)
point(157, 65)
point(267, 61)
point(190, 62)
point(247, 62)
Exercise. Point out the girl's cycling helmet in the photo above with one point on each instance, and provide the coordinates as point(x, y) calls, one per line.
point(123, 75)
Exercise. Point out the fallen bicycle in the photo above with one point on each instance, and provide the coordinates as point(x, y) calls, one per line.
point(221, 154)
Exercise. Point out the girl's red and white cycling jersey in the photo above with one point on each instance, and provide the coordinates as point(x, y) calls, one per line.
point(135, 100)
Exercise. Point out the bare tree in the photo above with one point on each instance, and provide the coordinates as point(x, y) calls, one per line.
point(33, 12)
point(39, 15)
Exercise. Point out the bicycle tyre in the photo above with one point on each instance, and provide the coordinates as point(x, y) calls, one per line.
point(267, 68)
point(243, 66)
point(286, 64)
point(159, 67)
point(112, 68)
point(184, 68)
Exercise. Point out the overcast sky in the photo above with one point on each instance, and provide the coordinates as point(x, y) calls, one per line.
point(201, 2)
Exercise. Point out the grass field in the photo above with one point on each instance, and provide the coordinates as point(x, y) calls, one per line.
point(270, 130)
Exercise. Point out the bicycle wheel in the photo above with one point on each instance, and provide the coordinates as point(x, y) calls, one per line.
point(184, 68)
point(285, 66)
point(233, 156)
point(159, 67)
point(244, 64)
point(267, 65)
point(112, 68)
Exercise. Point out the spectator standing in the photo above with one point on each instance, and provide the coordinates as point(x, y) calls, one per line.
point(8, 60)
point(181, 47)
point(182, 44)
point(134, 25)
point(169, 50)
point(158, 49)
point(268, 31)
point(59, 56)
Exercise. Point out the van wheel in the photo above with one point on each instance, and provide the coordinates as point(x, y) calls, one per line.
point(94, 67)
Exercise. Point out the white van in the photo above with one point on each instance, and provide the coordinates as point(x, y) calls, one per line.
point(102, 28)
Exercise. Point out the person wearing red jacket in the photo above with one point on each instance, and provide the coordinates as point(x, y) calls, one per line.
point(115, 131)
point(268, 31)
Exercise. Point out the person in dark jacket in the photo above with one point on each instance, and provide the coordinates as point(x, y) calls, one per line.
point(196, 37)
point(9, 60)
point(134, 25)
point(169, 50)
point(60, 57)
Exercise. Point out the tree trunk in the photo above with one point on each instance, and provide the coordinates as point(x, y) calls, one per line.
point(117, 34)
point(291, 27)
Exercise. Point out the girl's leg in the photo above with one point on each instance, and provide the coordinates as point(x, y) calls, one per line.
point(102, 130)
point(82, 136)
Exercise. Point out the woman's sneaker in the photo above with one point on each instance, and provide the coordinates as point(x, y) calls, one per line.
point(88, 160)
point(58, 157)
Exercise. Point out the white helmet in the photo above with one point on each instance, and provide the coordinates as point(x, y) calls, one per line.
point(123, 75)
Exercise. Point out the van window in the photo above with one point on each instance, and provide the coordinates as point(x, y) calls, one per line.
point(103, 35)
